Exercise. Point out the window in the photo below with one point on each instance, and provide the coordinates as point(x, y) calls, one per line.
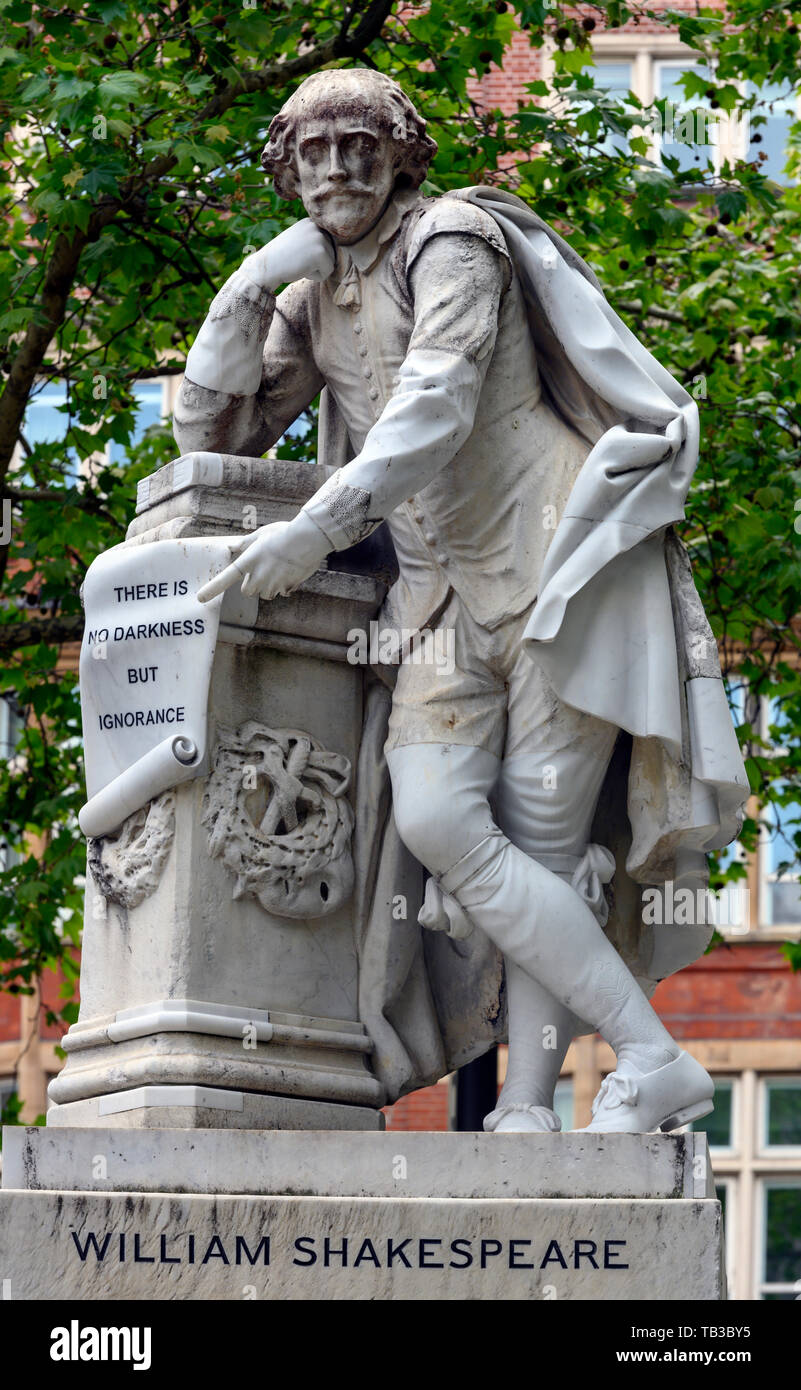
point(685, 119)
point(777, 863)
point(9, 732)
point(150, 410)
point(46, 422)
point(778, 105)
point(563, 1102)
point(719, 1126)
point(780, 1253)
point(754, 1138)
point(781, 1114)
point(715, 134)
point(780, 886)
point(8, 1086)
point(9, 727)
point(614, 77)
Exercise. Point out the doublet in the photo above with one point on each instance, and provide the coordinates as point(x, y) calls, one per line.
point(430, 361)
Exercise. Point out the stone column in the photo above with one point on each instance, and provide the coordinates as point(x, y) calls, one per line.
point(219, 972)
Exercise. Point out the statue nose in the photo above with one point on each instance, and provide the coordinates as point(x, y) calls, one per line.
point(336, 169)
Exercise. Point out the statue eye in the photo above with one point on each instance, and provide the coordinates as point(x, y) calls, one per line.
point(313, 150)
point(360, 142)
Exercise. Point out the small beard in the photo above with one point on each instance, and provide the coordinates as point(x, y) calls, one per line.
point(343, 212)
point(345, 227)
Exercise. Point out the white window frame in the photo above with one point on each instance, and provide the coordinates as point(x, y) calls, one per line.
point(618, 59)
point(763, 1185)
point(731, 1183)
point(744, 142)
point(764, 1149)
point(765, 879)
point(715, 144)
point(731, 1149)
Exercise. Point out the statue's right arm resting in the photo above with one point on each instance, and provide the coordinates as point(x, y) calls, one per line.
point(268, 371)
point(251, 369)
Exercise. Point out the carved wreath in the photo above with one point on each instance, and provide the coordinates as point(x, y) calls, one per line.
point(127, 866)
point(277, 813)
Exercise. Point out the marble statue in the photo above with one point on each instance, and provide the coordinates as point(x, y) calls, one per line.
point(530, 460)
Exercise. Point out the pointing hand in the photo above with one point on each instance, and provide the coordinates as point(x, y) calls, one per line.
point(274, 560)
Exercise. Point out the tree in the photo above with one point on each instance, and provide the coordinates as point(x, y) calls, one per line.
point(131, 187)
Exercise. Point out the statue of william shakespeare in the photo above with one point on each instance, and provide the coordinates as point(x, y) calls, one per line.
point(530, 459)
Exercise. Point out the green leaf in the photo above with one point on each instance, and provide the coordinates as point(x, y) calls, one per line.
point(119, 87)
point(791, 950)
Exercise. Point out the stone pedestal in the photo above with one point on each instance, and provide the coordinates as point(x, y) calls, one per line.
point(200, 1005)
point(94, 1214)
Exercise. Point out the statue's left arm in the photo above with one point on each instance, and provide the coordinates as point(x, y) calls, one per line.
point(457, 282)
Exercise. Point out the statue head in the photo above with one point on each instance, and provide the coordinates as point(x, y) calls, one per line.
point(344, 141)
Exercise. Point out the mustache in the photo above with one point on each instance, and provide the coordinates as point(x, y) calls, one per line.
point(334, 190)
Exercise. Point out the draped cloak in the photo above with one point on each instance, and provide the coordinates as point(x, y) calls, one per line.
point(620, 632)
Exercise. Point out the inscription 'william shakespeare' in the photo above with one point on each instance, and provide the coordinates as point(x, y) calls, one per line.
point(355, 1252)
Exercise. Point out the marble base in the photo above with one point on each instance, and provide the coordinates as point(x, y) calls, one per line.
point(196, 1108)
point(362, 1216)
point(175, 1045)
point(396, 1164)
point(193, 974)
point(95, 1246)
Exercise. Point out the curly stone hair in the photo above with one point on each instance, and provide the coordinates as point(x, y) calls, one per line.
point(349, 90)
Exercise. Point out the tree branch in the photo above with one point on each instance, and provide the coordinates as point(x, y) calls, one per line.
point(62, 268)
point(85, 502)
point(635, 306)
point(53, 631)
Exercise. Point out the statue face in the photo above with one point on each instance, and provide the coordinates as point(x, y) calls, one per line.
point(346, 170)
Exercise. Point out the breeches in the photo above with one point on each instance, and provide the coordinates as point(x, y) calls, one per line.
point(495, 748)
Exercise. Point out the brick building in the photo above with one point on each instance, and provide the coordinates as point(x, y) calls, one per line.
point(738, 1009)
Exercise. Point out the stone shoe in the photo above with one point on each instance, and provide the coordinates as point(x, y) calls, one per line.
point(520, 1119)
point(664, 1099)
